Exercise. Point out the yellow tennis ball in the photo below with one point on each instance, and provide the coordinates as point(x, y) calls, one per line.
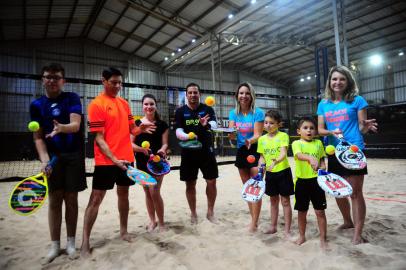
point(191, 135)
point(330, 149)
point(145, 144)
point(156, 158)
point(33, 126)
point(210, 101)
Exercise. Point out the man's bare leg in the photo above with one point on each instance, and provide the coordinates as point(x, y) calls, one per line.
point(96, 198)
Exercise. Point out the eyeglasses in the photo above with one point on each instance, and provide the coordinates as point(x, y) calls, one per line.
point(50, 77)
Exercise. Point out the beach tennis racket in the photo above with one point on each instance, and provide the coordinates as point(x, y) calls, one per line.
point(140, 177)
point(349, 155)
point(30, 193)
point(254, 188)
point(232, 142)
point(191, 144)
point(160, 167)
point(333, 184)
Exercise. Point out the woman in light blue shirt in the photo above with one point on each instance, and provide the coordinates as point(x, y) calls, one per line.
point(343, 111)
point(249, 121)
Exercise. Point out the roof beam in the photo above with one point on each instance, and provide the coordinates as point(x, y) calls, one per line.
point(179, 10)
point(355, 15)
point(116, 22)
point(319, 41)
point(245, 11)
point(97, 8)
point(124, 33)
point(159, 16)
point(292, 13)
point(25, 19)
point(51, 2)
point(70, 18)
point(138, 25)
point(226, 4)
point(201, 16)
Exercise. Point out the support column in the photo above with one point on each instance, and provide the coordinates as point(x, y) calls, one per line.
point(336, 32)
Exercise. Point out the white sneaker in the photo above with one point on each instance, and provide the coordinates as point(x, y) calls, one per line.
point(54, 252)
point(70, 248)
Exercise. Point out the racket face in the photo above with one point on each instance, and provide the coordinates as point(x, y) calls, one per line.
point(334, 184)
point(140, 177)
point(349, 159)
point(253, 190)
point(159, 168)
point(29, 195)
point(191, 144)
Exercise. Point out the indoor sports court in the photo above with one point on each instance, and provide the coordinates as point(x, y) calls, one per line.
point(285, 49)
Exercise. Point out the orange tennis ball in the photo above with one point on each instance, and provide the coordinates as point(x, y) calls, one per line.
point(145, 144)
point(210, 101)
point(251, 159)
point(354, 148)
point(156, 158)
point(33, 126)
point(191, 135)
point(330, 149)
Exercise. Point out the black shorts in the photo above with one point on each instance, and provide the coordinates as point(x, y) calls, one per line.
point(242, 154)
point(307, 190)
point(279, 183)
point(193, 160)
point(335, 167)
point(68, 173)
point(106, 176)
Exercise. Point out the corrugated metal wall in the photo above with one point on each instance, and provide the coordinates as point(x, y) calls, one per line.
point(230, 81)
point(86, 59)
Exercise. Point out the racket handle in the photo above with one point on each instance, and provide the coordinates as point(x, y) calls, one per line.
point(52, 162)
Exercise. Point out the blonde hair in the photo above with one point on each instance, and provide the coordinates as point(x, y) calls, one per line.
point(352, 88)
point(252, 93)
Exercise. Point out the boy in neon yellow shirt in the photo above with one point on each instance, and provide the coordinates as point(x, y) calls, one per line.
point(273, 148)
point(309, 157)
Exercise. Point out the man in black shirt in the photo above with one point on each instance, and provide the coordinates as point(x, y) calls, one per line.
point(197, 118)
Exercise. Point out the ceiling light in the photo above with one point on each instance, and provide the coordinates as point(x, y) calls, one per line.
point(166, 58)
point(401, 53)
point(253, 1)
point(173, 54)
point(302, 79)
point(193, 40)
point(375, 59)
point(308, 77)
point(230, 16)
point(179, 49)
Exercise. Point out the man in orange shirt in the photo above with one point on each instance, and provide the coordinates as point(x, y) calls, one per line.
point(111, 120)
